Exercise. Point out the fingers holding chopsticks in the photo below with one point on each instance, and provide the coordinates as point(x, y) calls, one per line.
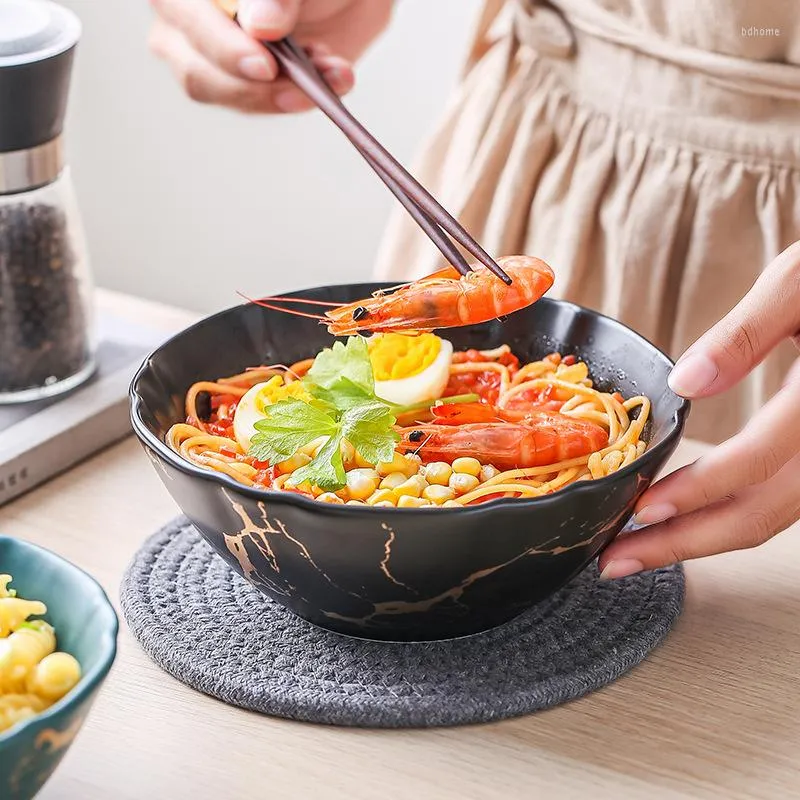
point(217, 62)
point(230, 57)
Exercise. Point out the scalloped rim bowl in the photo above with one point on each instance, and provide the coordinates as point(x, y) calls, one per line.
point(404, 574)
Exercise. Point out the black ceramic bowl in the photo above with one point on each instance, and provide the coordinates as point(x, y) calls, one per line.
point(403, 574)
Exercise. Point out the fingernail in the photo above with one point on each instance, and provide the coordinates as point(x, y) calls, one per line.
point(334, 75)
point(256, 68)
point(261, 14)
point(291, 100)
point(692, 374)
point(621, 569)
point(337, 78)
point(652, 515)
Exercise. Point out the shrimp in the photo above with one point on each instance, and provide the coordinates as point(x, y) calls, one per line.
point(446, 299)
point(539, 439)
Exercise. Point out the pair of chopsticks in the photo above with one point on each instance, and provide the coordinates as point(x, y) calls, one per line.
point(420, 204)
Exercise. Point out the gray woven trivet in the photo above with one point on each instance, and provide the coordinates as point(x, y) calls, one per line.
point(212, 630)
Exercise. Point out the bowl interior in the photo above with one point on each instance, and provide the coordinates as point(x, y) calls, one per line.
point(247, 335)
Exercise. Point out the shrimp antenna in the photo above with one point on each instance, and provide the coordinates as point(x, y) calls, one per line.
point(300, 300)
point(292, 311)
point(389, 289)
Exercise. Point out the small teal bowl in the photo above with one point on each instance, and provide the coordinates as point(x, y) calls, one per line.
point(86, 626)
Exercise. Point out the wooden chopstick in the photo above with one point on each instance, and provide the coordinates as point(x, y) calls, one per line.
point(429, 226)
point(368, 145)
point(308, 80)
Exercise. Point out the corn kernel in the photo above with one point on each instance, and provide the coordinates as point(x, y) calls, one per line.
point(451, 504)
point(488, 472)
point(393, 480)
point(54, 676)
point(413, 487)
point(380, 496)
point(467, 466)
point(438, 494)
point(295, 462)
point(362, 462)
point(330, 497)
point(407, 501)
point(400, 463)
point(438, 472)
point(312, 448)
point(355, 503)
point(361, 483)
point(383, 504)
point(348, 454)
point(318, 447)
point(461, 483)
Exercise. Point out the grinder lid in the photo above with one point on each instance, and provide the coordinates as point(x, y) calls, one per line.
point(37, 42)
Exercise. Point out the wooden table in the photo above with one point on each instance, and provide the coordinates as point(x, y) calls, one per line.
point(713, 713)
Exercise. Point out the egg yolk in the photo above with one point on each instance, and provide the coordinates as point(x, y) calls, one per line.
point(395, 356)
point(275, 389)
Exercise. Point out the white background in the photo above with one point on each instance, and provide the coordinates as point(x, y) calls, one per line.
point(187, 203)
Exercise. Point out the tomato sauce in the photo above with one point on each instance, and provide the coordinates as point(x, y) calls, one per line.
point(485, 384)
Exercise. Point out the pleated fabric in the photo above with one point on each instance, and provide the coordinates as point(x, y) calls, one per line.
point(656, 177)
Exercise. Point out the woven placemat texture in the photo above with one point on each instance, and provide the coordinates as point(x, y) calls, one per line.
point(209, 628)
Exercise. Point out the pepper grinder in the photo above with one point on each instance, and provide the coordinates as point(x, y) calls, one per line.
point(46, 332)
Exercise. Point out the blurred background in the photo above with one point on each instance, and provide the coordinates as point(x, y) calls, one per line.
point(186, 204)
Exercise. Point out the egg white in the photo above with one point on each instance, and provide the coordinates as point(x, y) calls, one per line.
point(246, 416)
point(426, 385)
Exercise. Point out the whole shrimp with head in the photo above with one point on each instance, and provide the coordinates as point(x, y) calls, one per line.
point(509, 440)
point(445, 299)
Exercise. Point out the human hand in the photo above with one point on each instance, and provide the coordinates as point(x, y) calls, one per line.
point(747, 489)
point(218, 62)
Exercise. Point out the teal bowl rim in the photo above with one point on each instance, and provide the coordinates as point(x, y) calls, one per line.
point(94, 677)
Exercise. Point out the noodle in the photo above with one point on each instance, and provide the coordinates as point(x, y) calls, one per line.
point(210, 442)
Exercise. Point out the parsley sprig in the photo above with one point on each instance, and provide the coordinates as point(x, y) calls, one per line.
point(344, 406)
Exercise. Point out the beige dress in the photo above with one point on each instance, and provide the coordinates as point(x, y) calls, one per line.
point(649, 151)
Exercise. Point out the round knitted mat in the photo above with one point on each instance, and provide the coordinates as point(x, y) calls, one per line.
point(212, 630)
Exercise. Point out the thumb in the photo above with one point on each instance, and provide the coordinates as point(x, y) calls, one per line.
point(269, 19)
point(768, 313)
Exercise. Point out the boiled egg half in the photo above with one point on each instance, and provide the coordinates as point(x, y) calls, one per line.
point(251, 408)
point(410, 369)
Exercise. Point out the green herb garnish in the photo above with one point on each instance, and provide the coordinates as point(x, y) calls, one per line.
point(343, 387)
point(288, 426)
point(344, 367)
point(344, 406)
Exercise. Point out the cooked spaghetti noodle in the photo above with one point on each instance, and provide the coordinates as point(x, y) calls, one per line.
point(553, 384)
